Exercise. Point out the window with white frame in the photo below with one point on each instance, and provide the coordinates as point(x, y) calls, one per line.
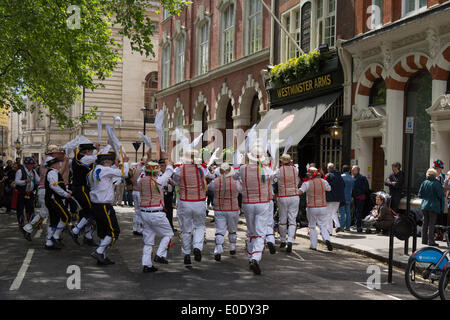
point(179, 58)
point(254, 26)
point(329, 35)
point(228, 34)
point(203, 48)
point(165, 66)
point(298, 22)
point(412, 6)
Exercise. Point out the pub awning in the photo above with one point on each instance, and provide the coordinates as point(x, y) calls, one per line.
point(296, 119)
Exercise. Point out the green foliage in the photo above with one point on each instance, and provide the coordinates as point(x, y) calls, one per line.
point(298, 68)
point(41, 58)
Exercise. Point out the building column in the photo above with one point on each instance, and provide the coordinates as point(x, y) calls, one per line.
point(395, 118)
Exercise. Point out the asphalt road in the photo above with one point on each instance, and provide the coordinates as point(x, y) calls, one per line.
point(27, 271)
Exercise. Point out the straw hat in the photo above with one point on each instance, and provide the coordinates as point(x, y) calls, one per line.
point(53, 148)
point(227, 169)
point(286, 159)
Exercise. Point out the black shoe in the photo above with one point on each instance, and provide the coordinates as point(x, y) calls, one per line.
point(359, 230)
point(149, 269)
point(197, 255)
point(271, 248)
point(74, 238)
point(53, 247)
point(338, 230)
point(368, 231)
point(89, 242)
point(283, 244)
point(100, 258)
point(58, 243)
point(329, 246)
point(289, 247)
point(433, 245)
point(217, 257)
point(160, 260)
point(27, 236)
point(254, 266)
point(107, 262)
point(313, 249)
point(137, 233)
point(232, 252)
point(187, 259)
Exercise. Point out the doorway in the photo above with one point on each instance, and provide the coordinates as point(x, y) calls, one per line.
point(377, 165)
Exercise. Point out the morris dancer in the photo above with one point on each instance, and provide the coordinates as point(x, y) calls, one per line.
point(55, 194)
point(102, 197)
point(226, 209)
point(191, 207)
point(255, 201)
point(287, 200)
point(154, 219)
point(82, 165)
point(316, 208)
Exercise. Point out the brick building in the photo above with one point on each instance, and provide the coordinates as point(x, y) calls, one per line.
point(397, 66)
point(210, 68)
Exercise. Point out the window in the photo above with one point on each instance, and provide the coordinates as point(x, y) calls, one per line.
point(378, 93)
point(203, 48)
point(412, 6)
point(254, 26)
point(179, 59)
point(151, 86)
point(165, 81)
point(166, 131)
point(330, 24)
point(306, 27)
point(255, 116)
point(228, 34)
point(165, 14)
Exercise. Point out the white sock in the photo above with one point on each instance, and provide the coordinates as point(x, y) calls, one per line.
point(50, 232)
point(59, 229)
point(80, 225)
point(104, 244)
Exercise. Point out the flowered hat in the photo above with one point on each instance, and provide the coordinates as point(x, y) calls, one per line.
point(438, 164)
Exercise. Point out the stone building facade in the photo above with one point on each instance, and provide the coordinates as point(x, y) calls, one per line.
point(212, 56)
point(397, 66)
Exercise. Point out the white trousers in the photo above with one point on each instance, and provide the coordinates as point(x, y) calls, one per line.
point(270, 237)
point(155, 224)
point(43, 211)
point(256, 217)
point(333, 208)
point(288, 210)
point(226, 220)
point(192, 217)
point(317, 217)
point(137, 219)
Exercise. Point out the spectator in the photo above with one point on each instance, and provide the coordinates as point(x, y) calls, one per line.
point(395, 184)
point(10, 185)
point(438, 165)
point(345, 218)
point(447, 190)
point(431, 193)
point(381, 215)
point(335, 197)
point(129, 188)
point(360, 193)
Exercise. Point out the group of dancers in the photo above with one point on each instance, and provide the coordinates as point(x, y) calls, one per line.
point(89, 196)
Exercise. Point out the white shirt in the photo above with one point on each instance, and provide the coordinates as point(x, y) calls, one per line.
point(305, 186)
point(52, 178)
point(88, 160)
point(101, 182)
point(32, 175)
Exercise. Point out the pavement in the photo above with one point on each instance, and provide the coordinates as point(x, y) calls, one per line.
point(375, 246)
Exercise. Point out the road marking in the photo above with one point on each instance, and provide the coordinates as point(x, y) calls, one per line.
point(22, 271)
point(387, 295)
point(299, 256)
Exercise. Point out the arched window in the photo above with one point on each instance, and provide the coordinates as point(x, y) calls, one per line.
point(151, 86)
point(204, 125)
point(180, 58)
point(378, 93)
point(418, 99)
point(255, 117)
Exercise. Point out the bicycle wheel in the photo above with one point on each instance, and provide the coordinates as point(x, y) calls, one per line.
point(420, 280)
point(444, 287)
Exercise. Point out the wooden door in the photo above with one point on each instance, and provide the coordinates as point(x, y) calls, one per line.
point(377, 165)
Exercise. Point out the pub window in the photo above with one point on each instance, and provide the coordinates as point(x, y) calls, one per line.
point(306, 27)
point(378, 93)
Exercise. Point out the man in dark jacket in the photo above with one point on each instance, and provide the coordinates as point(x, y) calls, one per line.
point(395, 184)
point(361, 192)
point(335, 197)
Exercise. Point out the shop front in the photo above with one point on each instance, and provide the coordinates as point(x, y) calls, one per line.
point(310, 110)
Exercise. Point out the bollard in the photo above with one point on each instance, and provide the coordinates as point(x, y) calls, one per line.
point(391, 253)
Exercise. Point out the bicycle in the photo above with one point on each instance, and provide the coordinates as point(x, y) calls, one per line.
point(426, 267)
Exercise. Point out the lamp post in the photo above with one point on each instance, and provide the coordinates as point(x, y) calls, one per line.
point(336, 130)
point(136, 146)
point(17, 145)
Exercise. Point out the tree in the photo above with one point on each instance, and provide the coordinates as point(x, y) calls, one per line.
point(50, 50)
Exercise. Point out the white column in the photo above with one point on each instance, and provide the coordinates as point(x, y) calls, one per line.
point(438, 89)
point(395, 119)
